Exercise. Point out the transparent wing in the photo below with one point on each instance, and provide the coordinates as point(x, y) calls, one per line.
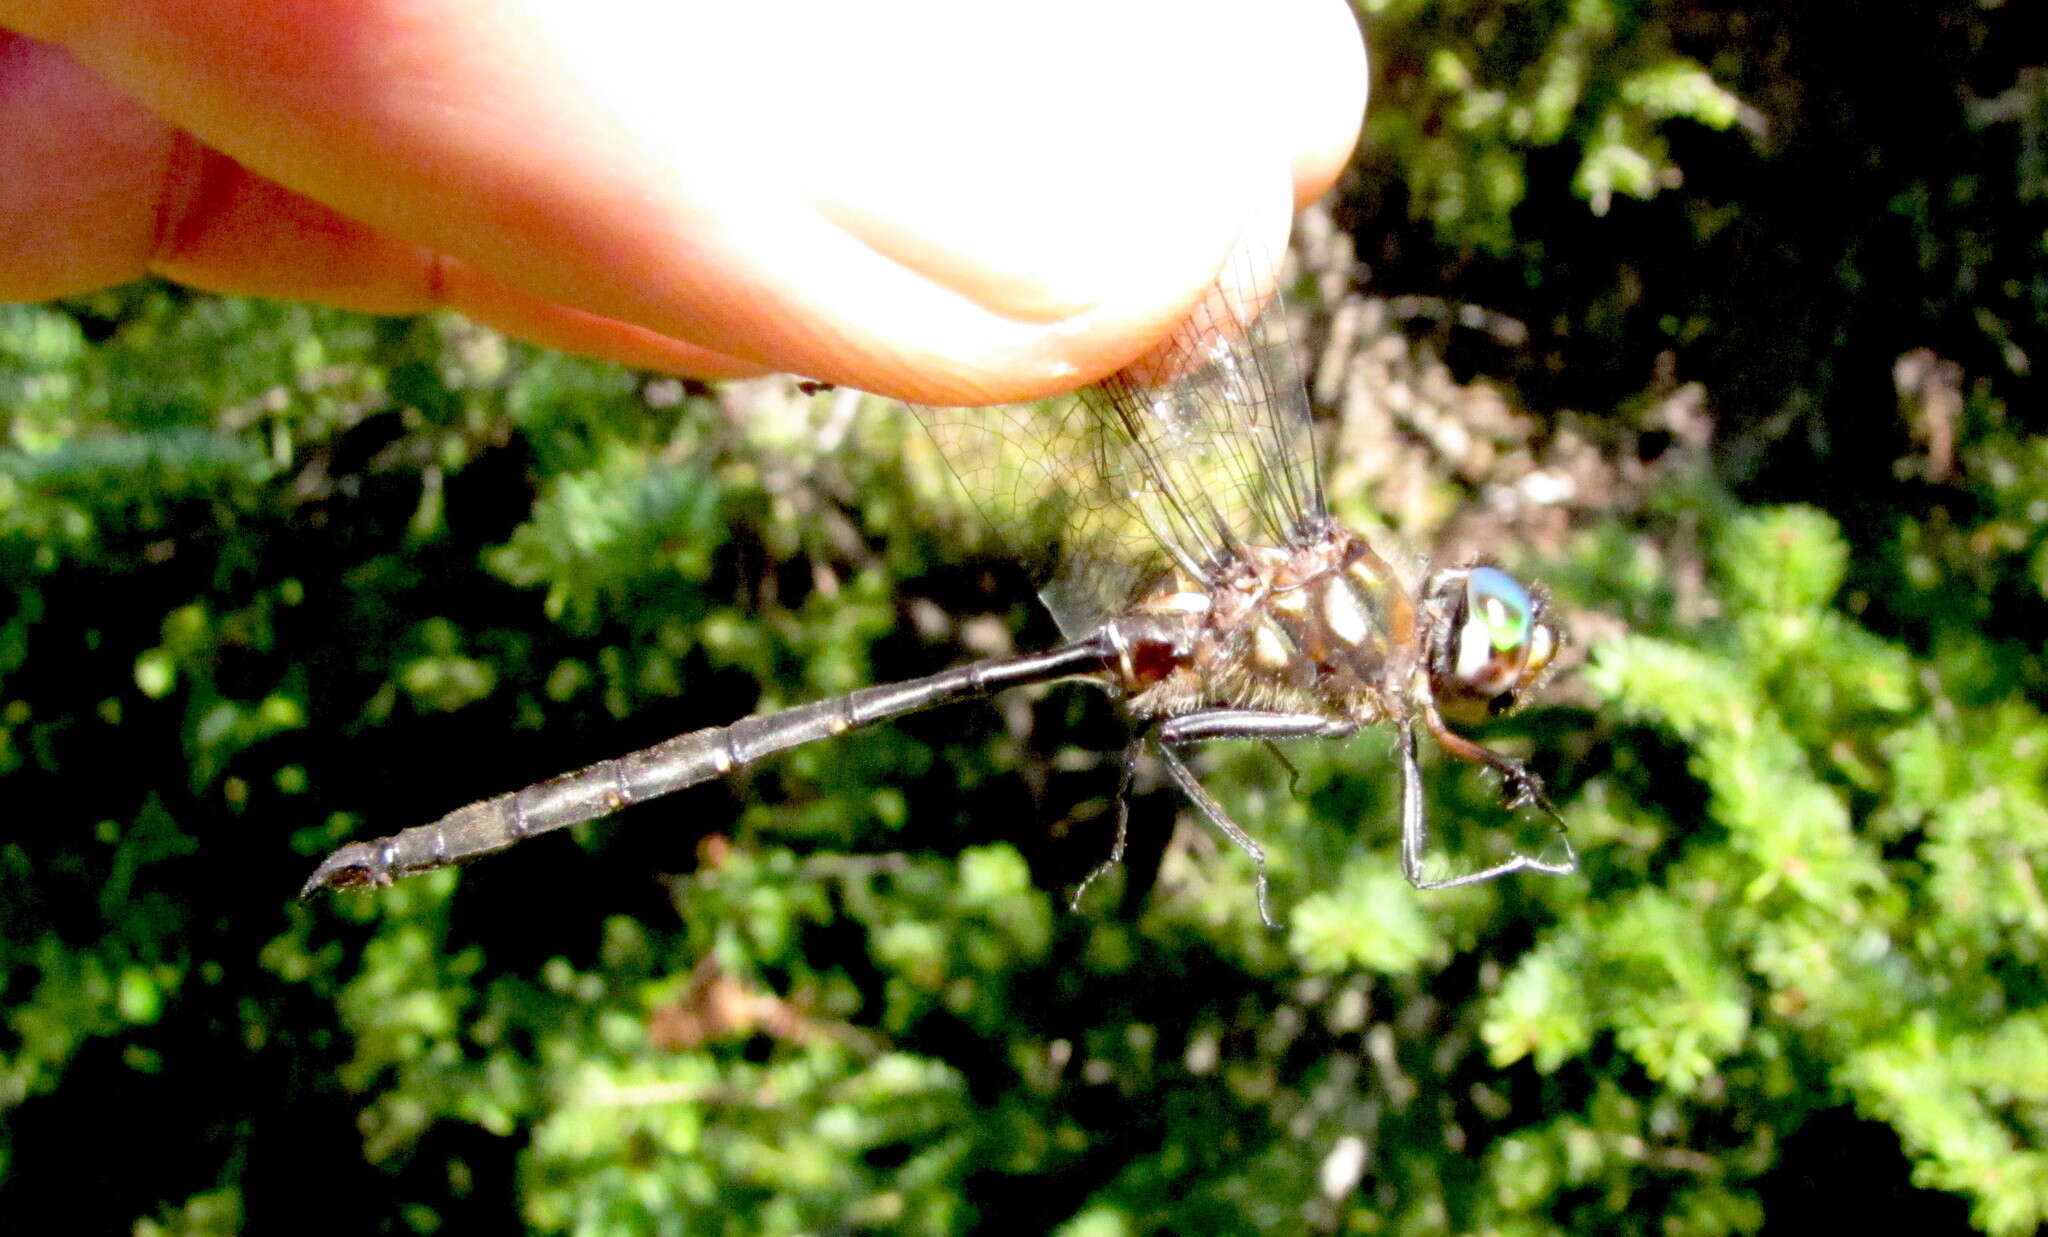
point(1175, 463)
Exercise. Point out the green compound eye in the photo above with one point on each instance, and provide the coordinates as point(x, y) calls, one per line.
point(1494, 599)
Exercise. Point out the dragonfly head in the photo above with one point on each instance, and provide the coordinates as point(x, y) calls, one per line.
point(1491, 642)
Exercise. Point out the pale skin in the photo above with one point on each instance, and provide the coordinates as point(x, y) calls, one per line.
point(941, 200)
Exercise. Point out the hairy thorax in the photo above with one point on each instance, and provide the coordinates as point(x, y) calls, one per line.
point(1326, 627)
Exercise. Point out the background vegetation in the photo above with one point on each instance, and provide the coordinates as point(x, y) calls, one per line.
point(1720, 318)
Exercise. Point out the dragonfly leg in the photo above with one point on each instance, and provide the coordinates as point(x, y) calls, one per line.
point(1123, 820)
point(1203, 726)
point(1206, 804)
point(1207, 725)
point(1525, 789)
point(1293, 774)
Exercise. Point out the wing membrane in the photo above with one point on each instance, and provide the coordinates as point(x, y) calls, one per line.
point(1173, 464)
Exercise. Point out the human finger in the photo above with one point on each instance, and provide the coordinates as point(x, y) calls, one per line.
point(915, 230)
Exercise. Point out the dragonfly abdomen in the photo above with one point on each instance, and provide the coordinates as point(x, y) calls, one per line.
point(598, 790)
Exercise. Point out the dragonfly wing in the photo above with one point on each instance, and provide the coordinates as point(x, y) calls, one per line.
point(1171, 465)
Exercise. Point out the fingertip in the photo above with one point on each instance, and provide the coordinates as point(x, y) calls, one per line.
point(982, 323)
point(1320, 104)
point(999, 252)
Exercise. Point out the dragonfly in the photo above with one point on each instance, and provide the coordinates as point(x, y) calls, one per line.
point(1176, 512)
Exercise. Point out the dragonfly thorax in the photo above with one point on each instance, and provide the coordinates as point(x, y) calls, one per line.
point(1328, 627)
point(1322, 626)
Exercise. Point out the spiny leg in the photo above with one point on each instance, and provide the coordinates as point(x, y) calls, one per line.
point(1526, 789)
point(1209, 725)
point(1204, 726)
point(1132, 752)
point(1206, 804)
point(1293, 773)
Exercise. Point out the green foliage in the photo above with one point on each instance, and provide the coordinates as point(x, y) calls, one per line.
point(1901, 958)
point(1471, 91)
